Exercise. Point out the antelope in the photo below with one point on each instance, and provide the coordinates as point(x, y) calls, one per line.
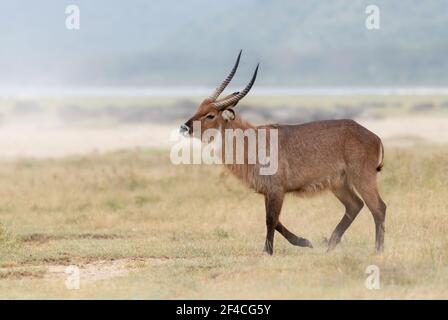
point(336, 155)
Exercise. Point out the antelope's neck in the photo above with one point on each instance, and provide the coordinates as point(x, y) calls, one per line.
point(238, 123)
point(241, 171)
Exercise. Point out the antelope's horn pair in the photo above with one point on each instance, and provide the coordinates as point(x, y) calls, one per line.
point(222, 104)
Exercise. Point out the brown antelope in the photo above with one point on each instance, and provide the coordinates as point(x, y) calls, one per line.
point(336, 155)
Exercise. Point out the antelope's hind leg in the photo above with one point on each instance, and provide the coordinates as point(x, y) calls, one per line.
point(369, 193)
point(292, 238)
point(353, 205)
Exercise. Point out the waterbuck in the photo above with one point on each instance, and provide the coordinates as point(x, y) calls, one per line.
point(337, 155)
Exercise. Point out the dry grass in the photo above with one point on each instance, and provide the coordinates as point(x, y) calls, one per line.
point(195, 232)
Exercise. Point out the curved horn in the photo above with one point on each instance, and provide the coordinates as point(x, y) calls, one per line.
point(224, 84)
point(230, 101)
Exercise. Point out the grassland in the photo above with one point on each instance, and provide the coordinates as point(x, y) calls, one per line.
point(139, 227)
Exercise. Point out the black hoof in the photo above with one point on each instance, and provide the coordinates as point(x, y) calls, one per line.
point(268, 249)
point(304, 243)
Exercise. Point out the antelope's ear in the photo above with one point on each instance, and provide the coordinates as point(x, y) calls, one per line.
point(228, 114)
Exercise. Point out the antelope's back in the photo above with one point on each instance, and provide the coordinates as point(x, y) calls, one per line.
point(321, 151)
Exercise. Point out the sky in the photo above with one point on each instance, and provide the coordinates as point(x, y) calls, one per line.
point(193, 43)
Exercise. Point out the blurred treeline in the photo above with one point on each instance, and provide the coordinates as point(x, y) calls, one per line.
point(307, 42)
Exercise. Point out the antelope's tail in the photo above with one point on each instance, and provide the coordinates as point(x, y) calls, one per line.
point(381, 158)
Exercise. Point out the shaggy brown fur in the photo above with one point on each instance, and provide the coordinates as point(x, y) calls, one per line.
point(336, 155)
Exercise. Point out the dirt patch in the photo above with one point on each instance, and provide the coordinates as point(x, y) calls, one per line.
point(43, 238)
point(103, 269)
point(20, 274)
point(88, 271)
point(93, 271)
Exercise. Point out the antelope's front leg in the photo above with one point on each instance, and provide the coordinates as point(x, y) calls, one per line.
point(273, 204)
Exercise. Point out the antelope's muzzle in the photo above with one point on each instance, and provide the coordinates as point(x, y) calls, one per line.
point(185, 130)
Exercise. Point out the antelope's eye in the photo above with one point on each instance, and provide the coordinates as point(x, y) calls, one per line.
point(210, 116)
